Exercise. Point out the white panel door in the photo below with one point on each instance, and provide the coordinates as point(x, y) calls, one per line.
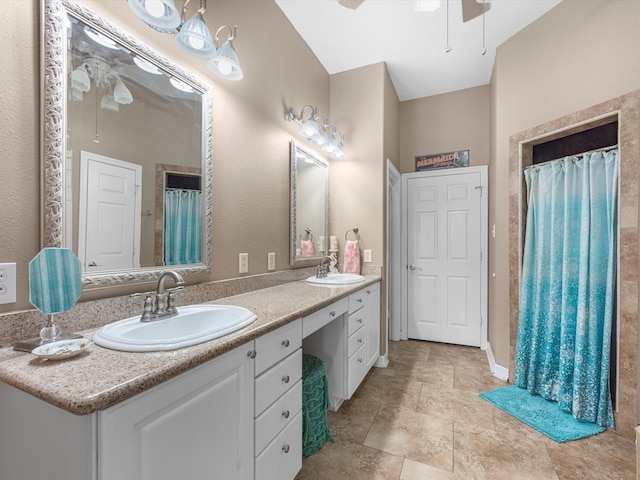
point(444, 274)
point(110, 209)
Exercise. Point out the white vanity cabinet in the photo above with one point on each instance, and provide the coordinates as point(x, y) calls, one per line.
point(278, 403)
point(372, 309)
point(198, 425)
point(346, 337)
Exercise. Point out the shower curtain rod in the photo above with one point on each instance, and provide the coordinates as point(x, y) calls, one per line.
point(578, 156)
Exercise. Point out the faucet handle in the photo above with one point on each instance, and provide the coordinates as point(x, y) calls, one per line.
point(171, 307)
point(147, 313)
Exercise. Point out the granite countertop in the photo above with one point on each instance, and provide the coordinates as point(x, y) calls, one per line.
point(101, 377)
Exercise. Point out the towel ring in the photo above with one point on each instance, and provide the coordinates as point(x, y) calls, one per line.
point(355, 233)
point(308, 235)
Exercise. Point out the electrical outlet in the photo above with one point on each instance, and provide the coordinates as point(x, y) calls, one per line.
point(367, 256)
point(243, 263)
point(271, 261)
point(7, 283)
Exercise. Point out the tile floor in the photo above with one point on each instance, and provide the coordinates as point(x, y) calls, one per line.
point(421, 418)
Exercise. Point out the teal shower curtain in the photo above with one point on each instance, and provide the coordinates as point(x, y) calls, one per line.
point(182, 227)
point(568, 284)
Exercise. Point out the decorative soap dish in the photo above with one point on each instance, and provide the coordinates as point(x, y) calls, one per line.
point(62, 349)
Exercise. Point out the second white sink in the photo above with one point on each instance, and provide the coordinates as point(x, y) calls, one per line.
point(336, 279)
point(194, 324)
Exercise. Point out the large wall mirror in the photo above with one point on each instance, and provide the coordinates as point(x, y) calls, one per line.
point(309, 207)
point(126, 152)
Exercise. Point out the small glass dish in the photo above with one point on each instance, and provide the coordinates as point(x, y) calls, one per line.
point(62, 349)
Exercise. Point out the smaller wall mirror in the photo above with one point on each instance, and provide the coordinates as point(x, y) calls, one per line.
point(309, 207)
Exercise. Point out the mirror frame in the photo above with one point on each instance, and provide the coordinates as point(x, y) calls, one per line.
point(54, 97)
point(294, 260)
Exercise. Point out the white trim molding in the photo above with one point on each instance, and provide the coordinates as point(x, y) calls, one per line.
point(497, 371)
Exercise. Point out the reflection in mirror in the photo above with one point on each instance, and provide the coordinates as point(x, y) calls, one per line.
point(309, 207)
point(128, 173)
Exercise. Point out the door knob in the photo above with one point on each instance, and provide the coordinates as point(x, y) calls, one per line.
point(413, 267)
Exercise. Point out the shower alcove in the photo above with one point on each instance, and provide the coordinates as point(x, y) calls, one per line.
point(625, 110)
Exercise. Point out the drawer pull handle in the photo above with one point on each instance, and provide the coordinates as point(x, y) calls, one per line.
point(285, 379)
point(360, 360)
point(285, 343)
point(359, 340)
point(332, 313)
point(285, 413)
point(359, 320)
point(285, 448)
point(251, 354)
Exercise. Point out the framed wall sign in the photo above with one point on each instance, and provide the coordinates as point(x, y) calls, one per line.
point(458, 158)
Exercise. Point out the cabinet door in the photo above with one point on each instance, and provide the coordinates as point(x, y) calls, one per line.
point(373, 324)
point(198, 425)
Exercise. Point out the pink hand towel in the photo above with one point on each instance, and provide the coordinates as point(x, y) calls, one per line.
point(306, 248)
point(351, 257)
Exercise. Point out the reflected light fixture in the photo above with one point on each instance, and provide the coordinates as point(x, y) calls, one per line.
point(192, 34)
point(324, 135)
point(99, 71)
point(427, 5)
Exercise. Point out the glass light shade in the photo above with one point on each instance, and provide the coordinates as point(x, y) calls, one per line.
point(121, 93)
point(161, 15)
point(332, 145)
point(76, 95)
point(226, 64)
point(146, 66)
point(195, 38)
point(100, 38)
point(339, 152)
point(427, 5)
point(180, 85)
point(320, 139)
point(310, 128)
point(109, 103)
point(80, 79)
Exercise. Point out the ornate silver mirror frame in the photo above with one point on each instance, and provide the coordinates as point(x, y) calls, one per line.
point(54, 88)
point(311, 196)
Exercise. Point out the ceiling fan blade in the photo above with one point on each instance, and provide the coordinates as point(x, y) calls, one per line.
point(472, 9)
point(353, 4)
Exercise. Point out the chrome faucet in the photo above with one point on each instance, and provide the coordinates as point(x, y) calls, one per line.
point(322, 268)
point(164, 302)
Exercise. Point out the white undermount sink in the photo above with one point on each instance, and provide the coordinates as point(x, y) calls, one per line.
point(336, 279)
point(192, 325)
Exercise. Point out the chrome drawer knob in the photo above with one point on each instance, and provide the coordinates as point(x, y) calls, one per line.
point(285, 343)
point(332, 313)
point(359, 320)
point(285, 379)
point(251, 354)
point(285, 448)
point(359, 300)
point(285, 414)
point(359, 340)
point(360, 360)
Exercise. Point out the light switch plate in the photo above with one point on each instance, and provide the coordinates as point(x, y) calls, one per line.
point(7, 283)
point(271, 261)
point(243, 263)
point(367, 256)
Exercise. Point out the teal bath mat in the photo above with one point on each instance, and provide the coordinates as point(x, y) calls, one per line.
point(543, 415)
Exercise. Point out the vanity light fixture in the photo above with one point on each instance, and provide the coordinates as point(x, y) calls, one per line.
point(99, 70)
point(324, 135)
point(192, 34)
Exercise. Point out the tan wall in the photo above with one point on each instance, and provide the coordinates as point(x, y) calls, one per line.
point(577, 55)
point(445, 123)
point(251, 137)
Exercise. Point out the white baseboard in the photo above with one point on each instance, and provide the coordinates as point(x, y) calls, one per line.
point(497, 371)
point(382, 361)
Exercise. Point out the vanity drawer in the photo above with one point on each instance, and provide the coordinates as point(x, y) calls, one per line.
point(356, 321)
point(356, 301)
point(356, 341)
point(322, 317)
point(282, 459)
point(277, 380)
point(356, 370)
point(278, 416)
point(276, 345)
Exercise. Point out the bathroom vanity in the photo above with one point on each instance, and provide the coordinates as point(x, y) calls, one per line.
point(227, 408)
